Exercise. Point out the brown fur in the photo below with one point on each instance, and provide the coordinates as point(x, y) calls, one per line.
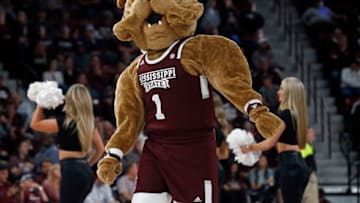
point(216, 57)
point(120, 3)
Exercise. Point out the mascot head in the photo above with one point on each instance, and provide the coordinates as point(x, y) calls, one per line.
point(155, 24)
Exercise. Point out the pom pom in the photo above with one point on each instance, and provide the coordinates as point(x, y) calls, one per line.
point(45, 94)
point(33, 90)
point(238, 138)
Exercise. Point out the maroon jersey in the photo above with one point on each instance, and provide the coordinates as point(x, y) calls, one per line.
point(174, 100)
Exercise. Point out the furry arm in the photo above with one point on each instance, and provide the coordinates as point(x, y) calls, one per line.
point(226, 68)
point(129, 113)
point(129, 110)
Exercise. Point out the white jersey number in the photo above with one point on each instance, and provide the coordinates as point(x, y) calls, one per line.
point(205, 94)
point(159, 115)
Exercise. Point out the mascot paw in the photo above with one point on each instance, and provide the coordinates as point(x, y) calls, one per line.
point(108, 169)
point(267, 123)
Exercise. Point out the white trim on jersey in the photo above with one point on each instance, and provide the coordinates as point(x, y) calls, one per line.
point(204, 87)
point(142, 197)
point(140, 61)
point(208, 191)
point(178, 56)
point(147, 60)
point(251, 102)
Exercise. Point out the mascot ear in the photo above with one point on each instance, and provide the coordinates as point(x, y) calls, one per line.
point(120, 3)
point(187, 13)
point(178, 12)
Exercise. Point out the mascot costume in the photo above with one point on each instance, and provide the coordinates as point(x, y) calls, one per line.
point(167, 92)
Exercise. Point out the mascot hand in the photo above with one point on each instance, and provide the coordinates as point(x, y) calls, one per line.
point(108, 169)
point(266, 122)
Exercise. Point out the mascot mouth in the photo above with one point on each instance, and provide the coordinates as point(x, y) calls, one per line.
point(154, 18)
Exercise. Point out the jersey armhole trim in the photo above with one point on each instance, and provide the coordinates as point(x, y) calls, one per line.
point(178, 55)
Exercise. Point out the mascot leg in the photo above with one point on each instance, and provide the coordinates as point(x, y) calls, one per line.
point(142, 197)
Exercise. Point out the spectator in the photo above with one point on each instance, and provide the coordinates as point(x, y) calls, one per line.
point(65, 44)
point(31, 192)
point(233, 192)
point(7, 190)
point(98, 76)
point(265, 71)
point(48, 151)
point(6, 38)
point(103, 107)
point(91, 39)
point(269, 93)
point(311, 194)
point(106, 130)
point(15, 174)
point(23, 107)
point(42, 35)
point(105, 29)
point(13, 136)
point(337, 58)
point(211, 18)
point(81, 56)
point(83, 79)
point(230, 28)
point(22, 31)
point(70, 73)
point(264, 51)
point(53, 74)
point(45, 166)
point(52, 183)
point(350, 80)
point(261, 181)
point(319, 13)
point(4, 155)
point(13, 118)
point(318, 19)
point(4, 93)
point(127, 183)
point(251, 21)
point(39, 60)
point(4, 99)
point(100, 193)
point(22, 157)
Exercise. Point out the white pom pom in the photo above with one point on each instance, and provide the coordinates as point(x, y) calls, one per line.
point(46, 94)
point(50, 98)
point(34, 89)
point(238, 138)
point(50, 84)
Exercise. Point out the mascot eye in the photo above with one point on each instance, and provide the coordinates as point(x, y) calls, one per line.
point(154, 18)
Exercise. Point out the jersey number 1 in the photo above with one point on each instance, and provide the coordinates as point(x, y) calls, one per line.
point(159, 115)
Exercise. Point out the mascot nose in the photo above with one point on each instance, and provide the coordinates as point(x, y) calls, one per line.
point(153, 18)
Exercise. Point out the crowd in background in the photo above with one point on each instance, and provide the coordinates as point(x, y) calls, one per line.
point(334, 29)
point(72, 42)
